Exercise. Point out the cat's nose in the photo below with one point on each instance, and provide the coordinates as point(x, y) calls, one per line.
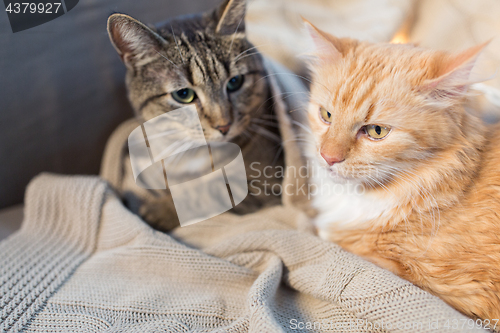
point(332, 159)
point(224, 128)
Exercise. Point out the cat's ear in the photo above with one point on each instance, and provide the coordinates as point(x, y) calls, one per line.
point(231, 17)
point(453, 76)
point(326, 46)
point(134, 41)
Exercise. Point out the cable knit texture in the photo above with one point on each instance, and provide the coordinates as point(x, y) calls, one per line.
point(83, 263)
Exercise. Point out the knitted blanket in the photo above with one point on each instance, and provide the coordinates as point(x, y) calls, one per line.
point(82, 262)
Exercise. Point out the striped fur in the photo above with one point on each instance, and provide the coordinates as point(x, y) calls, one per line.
point(201, 52)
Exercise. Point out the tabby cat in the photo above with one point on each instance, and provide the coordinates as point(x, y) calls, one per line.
point(418, 177)
point(203, 60)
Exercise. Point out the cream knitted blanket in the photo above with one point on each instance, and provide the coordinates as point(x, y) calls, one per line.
point(82, 262)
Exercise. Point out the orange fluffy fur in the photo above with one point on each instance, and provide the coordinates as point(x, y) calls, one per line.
point(437, 170)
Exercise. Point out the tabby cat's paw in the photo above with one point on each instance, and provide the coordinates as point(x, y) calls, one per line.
point(160, 214)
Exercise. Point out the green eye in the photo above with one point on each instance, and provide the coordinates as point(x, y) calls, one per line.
point(325, 115)
point(377, 132)
point(184, 96)
point(235, 83)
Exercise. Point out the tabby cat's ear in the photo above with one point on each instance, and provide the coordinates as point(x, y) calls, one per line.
point(453, 76)
point(327, 47)
point(231, 17)
point(134, 41)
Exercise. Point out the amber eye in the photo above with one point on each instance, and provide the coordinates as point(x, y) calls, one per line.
point(184, 96)
point(325, 115)
point(377, 132)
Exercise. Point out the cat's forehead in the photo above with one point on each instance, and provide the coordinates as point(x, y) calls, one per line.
point(401, 61)
point(198, 32)
point(201, 58)
point(205, 48)
point(372, 73)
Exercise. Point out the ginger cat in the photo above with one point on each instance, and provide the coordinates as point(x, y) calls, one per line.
point(419, 177)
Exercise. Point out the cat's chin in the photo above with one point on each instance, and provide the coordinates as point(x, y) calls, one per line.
point(217, 137)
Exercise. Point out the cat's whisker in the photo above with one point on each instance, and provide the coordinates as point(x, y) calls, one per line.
point(275, 124)
point(265, 133)
point(234, 34)
point(272, 98)
point(298, 110)
point(277, 155)
point(425, 196)
point(166, 58)
point(265, 122)
point(300, 140)
point(305, 128)
point(304, 136)
point(285, 95)
point(434, 209)
point(249, 49)
point(299, 76)
point(247, 55)
point(177, 45)
point(380, 184)
point(405, 217)
point(243, 52)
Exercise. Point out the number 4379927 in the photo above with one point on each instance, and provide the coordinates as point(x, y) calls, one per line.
point(27, 7)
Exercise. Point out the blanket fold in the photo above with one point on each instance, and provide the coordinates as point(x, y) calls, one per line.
point(83, 263)
point(55, 238)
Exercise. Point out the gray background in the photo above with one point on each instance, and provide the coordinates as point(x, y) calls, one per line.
point(62, 90)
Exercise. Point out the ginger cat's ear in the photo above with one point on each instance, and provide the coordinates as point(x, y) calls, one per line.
point(453, 76)
point(326, 45)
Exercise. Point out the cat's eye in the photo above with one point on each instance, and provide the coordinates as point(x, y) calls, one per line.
point(377, 132)
point(325, 115)
point(184, 96)
point(235, 83)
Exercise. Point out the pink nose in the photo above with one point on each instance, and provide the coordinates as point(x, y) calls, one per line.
point(331, 160)
point(224, 129)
